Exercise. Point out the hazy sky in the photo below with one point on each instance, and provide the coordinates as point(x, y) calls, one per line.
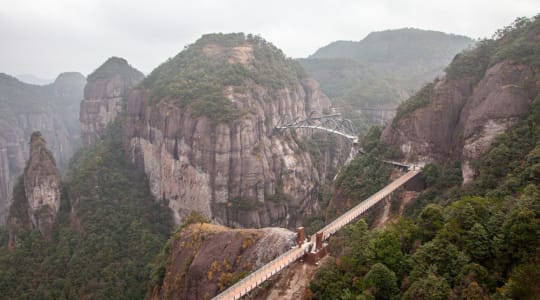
point(46, 37)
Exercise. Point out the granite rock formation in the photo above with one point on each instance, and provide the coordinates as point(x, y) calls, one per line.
point(37, 200)
point(226, 160)
point(204, 259)
point(463, 115)
point(25, 108)
point(103, 96)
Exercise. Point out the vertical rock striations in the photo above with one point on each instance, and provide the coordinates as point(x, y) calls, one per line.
point(486, 91)
point(103, 96)
point(25, 108)
point(202, 128)
point(37, 196)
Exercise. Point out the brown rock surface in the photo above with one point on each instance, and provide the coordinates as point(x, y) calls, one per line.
point(205, 259)
point(103, 96)
point(238, 173)
point(25, 108)
point(463, 118)
point(37, 205)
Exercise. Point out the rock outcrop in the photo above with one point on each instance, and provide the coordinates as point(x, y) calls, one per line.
point(103, 96)
point(204, 259)
point(463, 116)
point(26, 108)
point(36, 205)
point(215, 150)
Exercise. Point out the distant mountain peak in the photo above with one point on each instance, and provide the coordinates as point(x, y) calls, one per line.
point(114, 66)
point(396, 44)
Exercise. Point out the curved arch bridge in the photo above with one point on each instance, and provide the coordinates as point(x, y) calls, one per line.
point(332, 123)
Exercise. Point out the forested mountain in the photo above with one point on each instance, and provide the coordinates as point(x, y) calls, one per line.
point(383, 69)
point(24, 108)
point(201, 126)
point(194, 142)
point(472, 241)
point(108, 230)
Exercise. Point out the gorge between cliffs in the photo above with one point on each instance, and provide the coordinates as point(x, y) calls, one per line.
point(179, 183)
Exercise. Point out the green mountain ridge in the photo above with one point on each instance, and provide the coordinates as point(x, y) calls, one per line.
point(381, 70)
point(396, 45)
point(473, 241)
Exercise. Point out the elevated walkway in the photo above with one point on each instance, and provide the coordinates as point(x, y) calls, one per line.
point(254, 279)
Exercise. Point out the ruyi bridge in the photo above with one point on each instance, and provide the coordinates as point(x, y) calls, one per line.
point(332, 123)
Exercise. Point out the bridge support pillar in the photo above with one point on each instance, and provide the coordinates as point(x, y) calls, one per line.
point(318, 240)
point(300, 236)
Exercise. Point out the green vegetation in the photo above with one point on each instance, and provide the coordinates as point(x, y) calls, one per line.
point(420, 99)
point(363, 176)
point(115, 66)
point(17, 97)
point(244, 203)
point(199, 75)
point(381, 70)
point(108, 230)
point(381, 46)
point(59, 100)
point(479, 241)
point(163, 259)
point(518, 41)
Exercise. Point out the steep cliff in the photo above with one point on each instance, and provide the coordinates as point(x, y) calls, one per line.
point(37, 206)
point(203, 259)
point(486, 91)
point(26, 108)
point(103, 95)
point(201, 126)
point(106, 232)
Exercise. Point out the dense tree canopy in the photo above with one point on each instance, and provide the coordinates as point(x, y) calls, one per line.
point(109, 230)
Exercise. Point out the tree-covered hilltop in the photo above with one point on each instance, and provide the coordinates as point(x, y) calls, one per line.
point(108, 230)
point(477, 241)
point(518, 41)
point(115, 66)
point(383, 46)
point(200, 75)
point(472, 242)
point(383, 69)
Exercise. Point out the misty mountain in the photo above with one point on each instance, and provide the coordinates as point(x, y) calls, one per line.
point(384, 68)
point(32, 79)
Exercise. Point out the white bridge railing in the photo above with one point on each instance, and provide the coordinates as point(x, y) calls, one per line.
point(254, 279)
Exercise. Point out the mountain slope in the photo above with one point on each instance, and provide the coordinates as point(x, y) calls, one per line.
point(25, 108)
point(104, 96)
point(202, 128)
point(488, 89)
point(381, 70)
point(107, 231)
point(396, 46)
point(473, 241)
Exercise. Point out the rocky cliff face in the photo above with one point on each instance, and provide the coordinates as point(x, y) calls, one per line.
point(27, 108)
point(38, 198)
point(216, 151)
point(103, 96)
point(463, 116)
point(204, 259)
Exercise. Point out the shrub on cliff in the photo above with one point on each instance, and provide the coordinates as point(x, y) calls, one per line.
point(199, 75)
